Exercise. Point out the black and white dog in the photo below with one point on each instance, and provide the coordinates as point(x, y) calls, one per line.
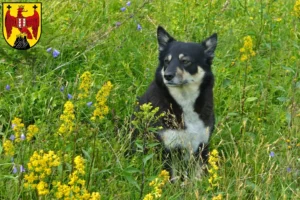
point(183, 88)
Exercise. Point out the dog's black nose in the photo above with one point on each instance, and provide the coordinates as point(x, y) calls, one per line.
point(169, 77)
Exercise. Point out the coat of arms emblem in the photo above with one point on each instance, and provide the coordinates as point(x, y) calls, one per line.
point(22, 24)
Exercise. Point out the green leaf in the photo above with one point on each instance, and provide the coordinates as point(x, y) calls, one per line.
point(132, 182)
point(252, 186)
point(148, 157)
point(132, 170)
point(86, 154)
point(288, 69)
point(153, 144)
point(282, 99)
point(250, 99)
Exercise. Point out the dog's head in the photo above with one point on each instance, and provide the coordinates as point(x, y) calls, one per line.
point(184, 63)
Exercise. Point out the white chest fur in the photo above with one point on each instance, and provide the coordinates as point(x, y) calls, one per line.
point(195, 131)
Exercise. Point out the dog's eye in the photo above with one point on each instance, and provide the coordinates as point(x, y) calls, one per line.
point(166, 61)
point(186, 62)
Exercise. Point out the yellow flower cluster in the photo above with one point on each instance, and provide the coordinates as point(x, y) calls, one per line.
point(31, 131)
point(101, 108)
point(157, 185)
point(147, 114)
point(219, 197)
point(67, 119)
point(85, 84)
point(9, 148)
point(40, 166)
point(75, 189)
point(297, 8)
point(18, 128)
point(213, 171)
point(247, 49)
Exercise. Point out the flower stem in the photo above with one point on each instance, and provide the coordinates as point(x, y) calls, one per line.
point(143, 166)
point(93, 159)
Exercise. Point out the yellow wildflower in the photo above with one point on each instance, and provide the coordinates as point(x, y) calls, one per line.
point(31, 177)
point(73, 178)
point(219, 197)
point(85, 195)
point(9, 148)
point(40, 166)
point(67, 119)
point(101, 108)
point(42, 188)
point(31, 131)
point(75, 189)
point(62, 190)
point(164, 175)
point(157, 185)
point(278, 19)
point(213, 171)
point(85, 84)
point(95, 196)
point(247, 49)
point(296, 9)
point(148, 197)
point(79, 164)
point(18, 128)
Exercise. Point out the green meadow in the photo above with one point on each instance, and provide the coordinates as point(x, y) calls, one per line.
point(66, 103)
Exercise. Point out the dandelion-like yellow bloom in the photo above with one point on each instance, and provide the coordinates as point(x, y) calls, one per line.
point(18, 128)
point(85, 84)
point(157, 185)
point(296, 9)
point(40, 166)
point(31, 131)
point(67, 119)
point(9, 148)
point(101, 108)
point(247, 49)
point(213, 171)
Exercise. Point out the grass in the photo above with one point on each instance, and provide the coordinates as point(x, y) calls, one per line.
point(257, 102)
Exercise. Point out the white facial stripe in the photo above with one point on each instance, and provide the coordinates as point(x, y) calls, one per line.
point(169, 57)
point(200, 70)
point(162, 72)
point(180, 56)
point(179, 71)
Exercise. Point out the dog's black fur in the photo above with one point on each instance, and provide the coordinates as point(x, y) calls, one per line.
point(158, 93)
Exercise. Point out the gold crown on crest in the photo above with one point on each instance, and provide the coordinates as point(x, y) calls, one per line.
point(21, 6)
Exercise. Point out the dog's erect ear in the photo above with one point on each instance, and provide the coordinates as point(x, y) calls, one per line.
point(210, 45)
point(163, 38)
